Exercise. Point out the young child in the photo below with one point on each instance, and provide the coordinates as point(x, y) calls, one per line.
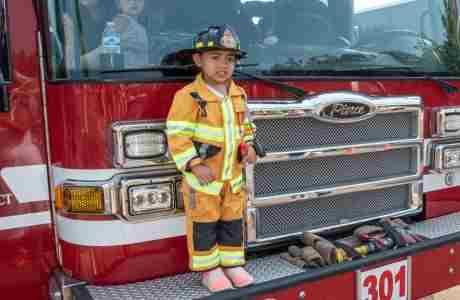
point(209, 137)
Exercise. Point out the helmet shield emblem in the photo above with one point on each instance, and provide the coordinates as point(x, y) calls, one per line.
point(228, 40)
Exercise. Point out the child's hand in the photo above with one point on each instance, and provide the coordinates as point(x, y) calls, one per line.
point(203, 173)
point(251, 156)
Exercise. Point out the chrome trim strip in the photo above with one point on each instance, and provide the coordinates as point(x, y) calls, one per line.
point(62, 174)
point(44, 96)
point(120, 129)
point(116, 195)
point(336, 190)
point(289, 109)
point(415, 204)
point(251, 225)
point(435, 181)
point(439, 121)
point(340, 150)
point(333, 191)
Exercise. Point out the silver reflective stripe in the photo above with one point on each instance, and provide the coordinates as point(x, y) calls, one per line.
point(182, 158)
point(230, 137)
point(212, 188)
point(236, 184)
point(199, 130)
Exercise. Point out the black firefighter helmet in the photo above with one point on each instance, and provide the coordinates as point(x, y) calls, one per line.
point(221, 37)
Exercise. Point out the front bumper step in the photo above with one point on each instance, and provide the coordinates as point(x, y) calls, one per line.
point(271, 272)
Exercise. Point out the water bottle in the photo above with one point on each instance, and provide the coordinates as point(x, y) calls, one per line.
point(111, 56)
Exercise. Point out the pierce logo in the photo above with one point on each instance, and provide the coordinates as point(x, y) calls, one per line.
point(345, 111)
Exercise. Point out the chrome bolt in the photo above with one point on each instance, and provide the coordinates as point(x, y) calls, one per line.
point(451, 271)
point(452, 251)
point(302, 295)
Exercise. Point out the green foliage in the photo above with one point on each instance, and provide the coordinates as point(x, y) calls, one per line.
point(449, 51)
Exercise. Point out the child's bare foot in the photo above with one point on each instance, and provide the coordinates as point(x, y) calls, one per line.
point(215, 280)
point(239, 276)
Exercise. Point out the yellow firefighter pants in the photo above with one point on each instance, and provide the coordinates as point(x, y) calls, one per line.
point(214, 228)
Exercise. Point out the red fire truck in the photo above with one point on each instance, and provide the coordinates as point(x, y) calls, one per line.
point(356, 104)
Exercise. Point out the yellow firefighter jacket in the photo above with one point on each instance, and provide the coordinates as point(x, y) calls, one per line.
point(225, 125)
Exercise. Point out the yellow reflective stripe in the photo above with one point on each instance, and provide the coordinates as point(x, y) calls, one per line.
point(232, 258)
point(182, 158)
point(248, 138)
point(204, 262)
point(180, 128)
point(230, 138)
point(249, 125)
point(212, 188)
point(195, 129)
point(236, 183)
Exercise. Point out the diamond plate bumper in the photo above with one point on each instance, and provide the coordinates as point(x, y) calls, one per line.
point(272, 273)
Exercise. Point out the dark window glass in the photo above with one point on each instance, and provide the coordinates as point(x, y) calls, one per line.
point(282, 37)
point(5, 68)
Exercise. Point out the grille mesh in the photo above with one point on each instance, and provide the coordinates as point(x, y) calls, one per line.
point(321, 212)
point(280, 177)
point(284, 135)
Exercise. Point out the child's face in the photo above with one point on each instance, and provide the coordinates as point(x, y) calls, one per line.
point(217, 66)
point(131, 7)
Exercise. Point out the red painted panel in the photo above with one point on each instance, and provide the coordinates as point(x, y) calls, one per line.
point(22, 130)
point(27, 255)
point(332, 288)
point(442, 202)
point(122, 264)
point(81, 114)
point(430, 270)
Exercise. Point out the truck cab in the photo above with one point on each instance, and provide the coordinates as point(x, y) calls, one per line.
point(356, 105)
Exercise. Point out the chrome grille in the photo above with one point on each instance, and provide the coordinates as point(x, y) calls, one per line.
point(330, 211)
point(328, 165)
point(293, 134)
point(295, 176)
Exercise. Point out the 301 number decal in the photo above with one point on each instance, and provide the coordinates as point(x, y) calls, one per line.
point(389, 282)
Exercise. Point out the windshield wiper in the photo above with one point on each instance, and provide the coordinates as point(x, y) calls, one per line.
point(366, 70)
point(298, 92)
point(444, 85)
point(151, 68)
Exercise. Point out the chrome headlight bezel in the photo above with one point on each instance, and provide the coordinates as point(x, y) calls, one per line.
point(127, 184)
point(121, 131)
point(444, 123)
point(441, 154)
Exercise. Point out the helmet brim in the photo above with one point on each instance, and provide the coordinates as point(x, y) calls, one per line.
point(188, 52)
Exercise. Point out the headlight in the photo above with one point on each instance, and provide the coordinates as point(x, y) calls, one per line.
point(452, 158)
point(139, 144)
point(150, 198)
point(447, 122)
point(145, 144)
point(447, 156)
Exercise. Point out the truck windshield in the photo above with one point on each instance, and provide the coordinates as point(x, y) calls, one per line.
point(282, 37)
point(4, 51)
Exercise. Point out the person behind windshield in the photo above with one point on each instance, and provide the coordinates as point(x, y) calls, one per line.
point(134, 41)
